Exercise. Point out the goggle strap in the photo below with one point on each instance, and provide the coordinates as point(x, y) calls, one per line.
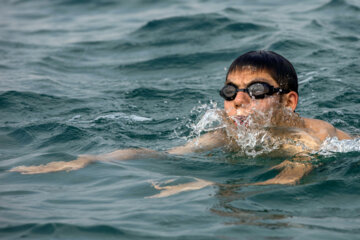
point(280, 90)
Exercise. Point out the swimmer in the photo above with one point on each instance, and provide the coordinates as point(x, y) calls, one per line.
point(260, 91)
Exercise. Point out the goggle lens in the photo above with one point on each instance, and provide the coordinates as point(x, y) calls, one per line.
point(229, 91)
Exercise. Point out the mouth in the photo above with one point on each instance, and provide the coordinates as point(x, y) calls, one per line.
point(240, 120)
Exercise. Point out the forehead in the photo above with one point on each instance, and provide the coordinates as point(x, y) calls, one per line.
point(244, 77)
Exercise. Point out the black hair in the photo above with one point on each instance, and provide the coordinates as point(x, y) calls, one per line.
point(279, 68)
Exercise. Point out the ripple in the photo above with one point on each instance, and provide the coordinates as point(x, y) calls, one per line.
point(53, 229)
point(152, 93)
point(30, 101)
point(244, 27)
point(233, 10)
point(177, 25)
point(347, 38)
point(5, 67)
point(90, 3)
point(21, 45)
point(323, 53)
point(65, 134)
point(189, 61)
point(315, 25)
point(22, 136)
point(290, 44)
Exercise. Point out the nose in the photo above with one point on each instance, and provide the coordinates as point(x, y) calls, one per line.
point(241, 99)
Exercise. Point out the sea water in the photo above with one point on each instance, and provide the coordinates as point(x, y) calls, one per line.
point(90, 77)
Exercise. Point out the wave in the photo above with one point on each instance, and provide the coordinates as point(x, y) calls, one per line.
point(315, 25)
point(66, 230)
point(188, 61)
point(177, 25)
point(92, 3)
point(348, 38)
point(47, 134)
point(290, 44)
point(5, 67)
point(31, 101)
point(67, 134)
point(233, 10)
point(245, 27)
point(180, 30)
point(20, 45)
point(61, 64)
point(22, 136)
point(174, 94)
point(323, 53)
point(337, 6)
point(341, 100)
point(195, 26)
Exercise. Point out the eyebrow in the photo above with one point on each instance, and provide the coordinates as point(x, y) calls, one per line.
point(255, 80)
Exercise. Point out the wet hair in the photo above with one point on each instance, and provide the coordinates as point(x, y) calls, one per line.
point(279, 68)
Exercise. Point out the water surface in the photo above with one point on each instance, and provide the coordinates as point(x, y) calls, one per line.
point(89, 77)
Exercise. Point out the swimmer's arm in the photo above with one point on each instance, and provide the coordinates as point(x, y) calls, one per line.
point(290, 174)
point(204, 143)
point(84, 160)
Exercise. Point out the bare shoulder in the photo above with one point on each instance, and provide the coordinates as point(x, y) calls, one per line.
point(322, 129)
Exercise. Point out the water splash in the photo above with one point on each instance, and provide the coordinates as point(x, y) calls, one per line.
point(257, 134)
point(120, 115)
point(334, 145)
point(209, 118)
point(250, 138)
point(276, 132)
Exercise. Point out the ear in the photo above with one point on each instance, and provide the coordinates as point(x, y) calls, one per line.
point(291, 100)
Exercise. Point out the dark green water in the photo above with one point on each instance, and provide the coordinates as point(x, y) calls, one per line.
point(89, 77)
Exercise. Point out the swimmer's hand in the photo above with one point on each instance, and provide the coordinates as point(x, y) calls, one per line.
point(175, 189)
point(80, 162)
point(291, 173)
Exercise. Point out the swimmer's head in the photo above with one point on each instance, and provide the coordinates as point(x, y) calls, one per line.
point(279, 68)
point(277, 78)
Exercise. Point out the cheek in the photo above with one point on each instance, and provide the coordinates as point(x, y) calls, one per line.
point(228, 106)
point(264, 105)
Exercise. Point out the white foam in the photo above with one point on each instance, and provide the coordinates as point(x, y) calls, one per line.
point(334, 145)
point(209, 120)
point(120, 115)
point(250, 142)
point(74, 118)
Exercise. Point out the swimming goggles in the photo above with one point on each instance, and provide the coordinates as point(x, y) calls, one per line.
point(257, 90)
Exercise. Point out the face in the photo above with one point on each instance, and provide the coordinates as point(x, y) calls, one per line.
point(243, 105)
